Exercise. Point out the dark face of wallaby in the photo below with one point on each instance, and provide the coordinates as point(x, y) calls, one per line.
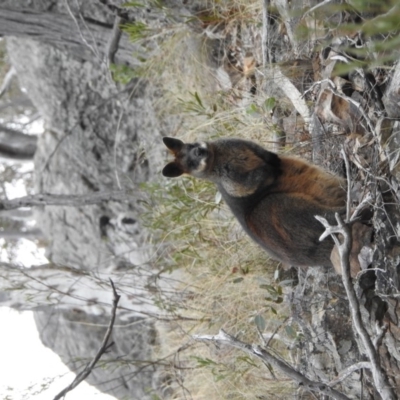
point(274, 198)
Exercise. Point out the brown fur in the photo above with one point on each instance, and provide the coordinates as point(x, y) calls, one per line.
point(274, 198)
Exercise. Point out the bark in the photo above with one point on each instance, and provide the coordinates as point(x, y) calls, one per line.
point(86, 41)
point(15, 145)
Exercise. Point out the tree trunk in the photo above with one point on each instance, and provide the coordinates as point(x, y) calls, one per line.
point(16, 145)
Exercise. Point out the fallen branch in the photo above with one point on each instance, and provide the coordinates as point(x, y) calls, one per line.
point(104, 347)
point(266, 357)
point(381, 381)
point(68, 200)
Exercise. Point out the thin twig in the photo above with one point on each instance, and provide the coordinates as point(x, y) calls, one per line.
point(370, 124)
point(12, 72)
point(104, 347)
point(312, 9)
point(275, 332)
point(95, 51)
point(349, 370)
point(268, 358)
point(366, 201)
point(348, 203)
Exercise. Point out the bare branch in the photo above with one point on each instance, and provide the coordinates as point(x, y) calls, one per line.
point(370, 124)
point(312, 9)
point(93, 48)
point(266, 357)
point(348, 202)
point(349, 370)
point(68, 200)
point(329, 230)
point(379, 376)
point(7, 81)
point(381, 332)
point(103, 348)
point(364, 203)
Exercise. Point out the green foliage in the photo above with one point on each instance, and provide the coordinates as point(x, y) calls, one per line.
point(378, 24)
point(260, 322)
point(223, 275)
point(266, 108)
point(144, 3)
point(184, 204)
point(123, 74)
point(136, 30)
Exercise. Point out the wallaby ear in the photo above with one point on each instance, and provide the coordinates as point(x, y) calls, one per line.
point(172, 170)
point(175, 145)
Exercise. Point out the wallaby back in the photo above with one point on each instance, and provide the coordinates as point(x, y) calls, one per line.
point(274, 198)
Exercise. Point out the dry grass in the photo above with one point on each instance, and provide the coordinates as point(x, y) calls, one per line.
point(227, 281)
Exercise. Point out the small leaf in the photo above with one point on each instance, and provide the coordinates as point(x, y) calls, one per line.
point(252, 109)
point(270, 104)
point(237, 280)
point(276, 274)
point(247, 360)
point(271, 369)
point(196, 96)
point(268, 287)
point(287, 282)
point(245, 270)
point(290, 331)
point(260, 322)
